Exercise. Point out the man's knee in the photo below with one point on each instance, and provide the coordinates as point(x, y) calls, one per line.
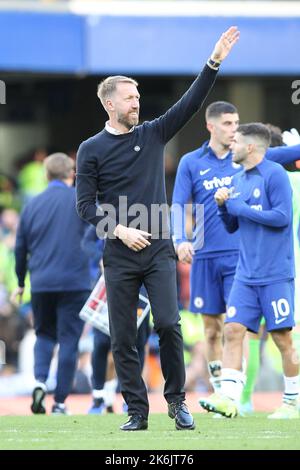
point(165, 325)
point(234, 332)
point(213, 328)
point(123, 344)
point(282, 339)
point(67, 357)
point(212, 334)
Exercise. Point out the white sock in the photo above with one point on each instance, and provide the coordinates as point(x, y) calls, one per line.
point(97, 394)
point(215, 369)
point(291, 389)
point(244, 365)
point(41, 385)
point(60, 405)
point(232, 384)
point(216, 383)
point(110, 391)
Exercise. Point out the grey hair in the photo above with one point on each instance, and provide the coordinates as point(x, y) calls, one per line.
point(108, 86)
point(58, 166)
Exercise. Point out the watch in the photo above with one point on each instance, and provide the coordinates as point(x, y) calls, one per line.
point(213, 64)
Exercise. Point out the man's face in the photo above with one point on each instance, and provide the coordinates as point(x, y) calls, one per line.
point(126, 105)
point(240, 148)
point(223, 128)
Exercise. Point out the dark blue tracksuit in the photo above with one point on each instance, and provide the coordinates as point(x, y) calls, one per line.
point(131, 165)
point(48, 245)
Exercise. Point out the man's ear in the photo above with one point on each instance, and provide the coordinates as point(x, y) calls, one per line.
point(251, 148)
point(109, 105)
point(209, 126)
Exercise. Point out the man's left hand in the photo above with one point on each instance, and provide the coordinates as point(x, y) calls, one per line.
point(16, 296)
point(225, 44)
point(291, 137)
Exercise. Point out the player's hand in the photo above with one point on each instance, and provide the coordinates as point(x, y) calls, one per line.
point(134, 238)
point(16, 296)
point(221, 196)
point(291, 137)
point(185, 252)
point(225, 44)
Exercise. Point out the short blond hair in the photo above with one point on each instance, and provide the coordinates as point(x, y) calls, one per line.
point(58, 166)
point(107, 87)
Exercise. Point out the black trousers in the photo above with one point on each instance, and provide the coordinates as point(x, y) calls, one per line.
point(125, 271)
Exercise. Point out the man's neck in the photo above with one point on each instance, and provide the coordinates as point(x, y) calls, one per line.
point(116, 128)
point(68, 181)
point(219, 150)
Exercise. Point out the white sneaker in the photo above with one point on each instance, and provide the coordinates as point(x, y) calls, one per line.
point(285, 412)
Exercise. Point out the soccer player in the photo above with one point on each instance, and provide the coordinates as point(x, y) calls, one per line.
point(199, 175)
point(127, 159)
point(259, 204)
point(277, 139)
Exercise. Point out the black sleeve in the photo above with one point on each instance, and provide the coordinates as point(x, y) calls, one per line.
point(86, 192)
point(181, 112)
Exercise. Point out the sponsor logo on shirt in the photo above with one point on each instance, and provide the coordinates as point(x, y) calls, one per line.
point(216, 182)
point(203, 172)
point(257, 207)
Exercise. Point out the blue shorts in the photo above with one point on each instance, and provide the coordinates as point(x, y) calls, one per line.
point(211, 281)
point(247, 304)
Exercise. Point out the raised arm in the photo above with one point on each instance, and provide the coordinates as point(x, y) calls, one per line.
point(181, 112)
point(284, 154)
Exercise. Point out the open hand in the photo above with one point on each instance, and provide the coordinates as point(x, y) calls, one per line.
point(225, 44)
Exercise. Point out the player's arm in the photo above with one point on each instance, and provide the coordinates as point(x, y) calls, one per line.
point(231, 222)
point(284, 154)
point(181, 196)
point(181, 112)
point(280, 197)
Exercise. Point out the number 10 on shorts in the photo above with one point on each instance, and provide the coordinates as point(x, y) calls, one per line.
point(281, 310)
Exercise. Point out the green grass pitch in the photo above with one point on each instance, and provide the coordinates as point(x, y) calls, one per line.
point(102, 432)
